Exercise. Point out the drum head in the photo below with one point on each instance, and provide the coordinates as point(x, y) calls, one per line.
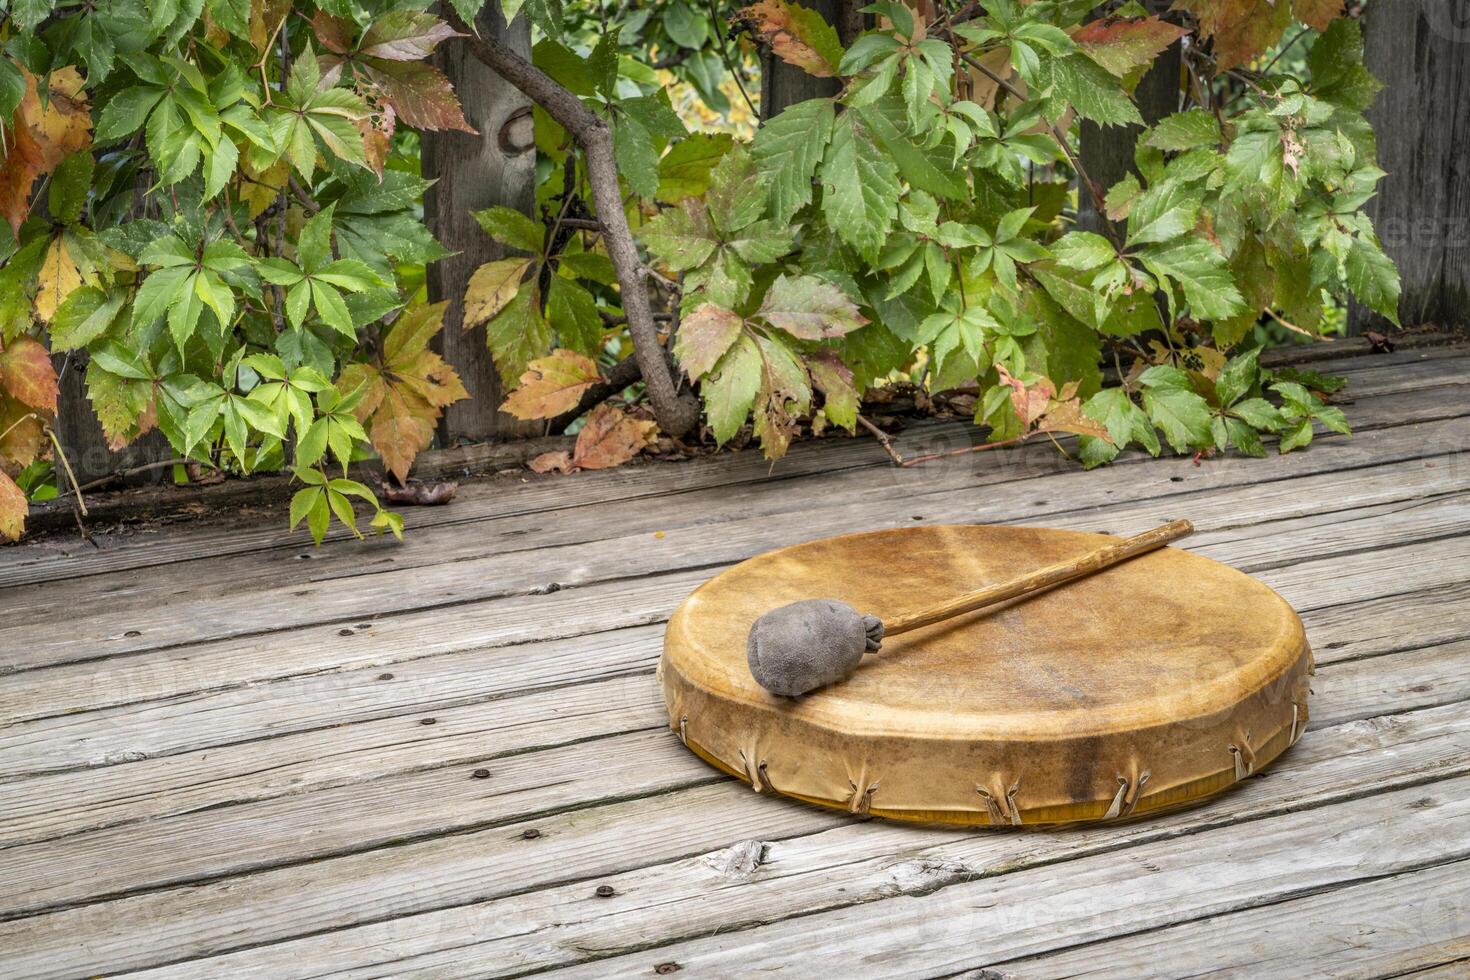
point(1148, 685)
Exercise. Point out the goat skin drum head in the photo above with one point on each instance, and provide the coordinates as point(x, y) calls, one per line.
point(1146, 686)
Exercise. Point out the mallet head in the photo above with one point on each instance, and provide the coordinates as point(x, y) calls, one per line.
point(806, 645)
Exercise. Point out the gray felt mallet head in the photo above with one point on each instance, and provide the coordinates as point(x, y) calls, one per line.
point(800, 647)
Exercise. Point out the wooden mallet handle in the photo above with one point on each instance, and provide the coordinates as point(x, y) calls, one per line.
point(1041, 579)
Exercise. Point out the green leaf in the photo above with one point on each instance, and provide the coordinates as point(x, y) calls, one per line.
point(314, 246)
point(572, 313)
point(1163, 212)
point(1126, 423)
point(809, 308)
point(681, 237)
point(84, 316)
point(1088, 88)
point(1202, 274)
point(730, 390)
point(13, 89)
point(787, 149)
point(159, 291)
point(1173, 405)
point(1372, 277)
point(70, 183)
point(509, 227)
point(1335, 60)
point(517, 336)
point(886, 120)
point(684, 171)
point(860, 188)
point(737, 196)
point(636, 156)
point(1185, 131)
point(764, 241)
point(1083, 250)
point(1297, 436)
point(834, 379)
point(1237, 378)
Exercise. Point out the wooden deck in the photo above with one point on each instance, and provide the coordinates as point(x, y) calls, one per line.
point(448, 757)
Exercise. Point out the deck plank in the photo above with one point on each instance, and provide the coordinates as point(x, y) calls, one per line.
point(393, 598)
point(622, 844)
point(205, 718)
point(225, 769)
point(520, 493)
point(1400, 925)
point(946, 922)
point(992, 895)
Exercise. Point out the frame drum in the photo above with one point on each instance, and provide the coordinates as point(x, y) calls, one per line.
point(1148, 685)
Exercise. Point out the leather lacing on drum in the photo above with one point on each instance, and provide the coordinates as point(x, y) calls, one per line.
point(1127, 796)
point(861, 798)
point(1003, 810)
point(759, 780)
point(1245, 757)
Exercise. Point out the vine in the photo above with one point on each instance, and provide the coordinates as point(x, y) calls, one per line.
point(215, 206)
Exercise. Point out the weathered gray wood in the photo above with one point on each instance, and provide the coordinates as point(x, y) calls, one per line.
point(346, 600)
point(1311, 517)
point(875, 872)
point(457, 872)
point(1387, 928)
point(1422, 120)
point(473, 172)
point(262, 529)
point(944, 921)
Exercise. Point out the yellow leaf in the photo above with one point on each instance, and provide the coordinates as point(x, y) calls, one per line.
point(493, 285)
point(13, 509)
point(261, 190)
point(404, 395)
point(610, 438)
point(59, 275)
point(552, 385)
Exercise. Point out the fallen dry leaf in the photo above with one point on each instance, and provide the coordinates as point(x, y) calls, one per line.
point(421, 494)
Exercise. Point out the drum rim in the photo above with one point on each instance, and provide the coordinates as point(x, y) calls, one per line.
point(864, 719)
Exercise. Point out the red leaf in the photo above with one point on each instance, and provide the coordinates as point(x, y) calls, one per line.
point(39, 137)
point(334, 33)
point(405, 35)
point(27, 375)
point(420, 93)
point(1123, 45)
point(1318, 13)
point(797, 35)
point(1240, 29)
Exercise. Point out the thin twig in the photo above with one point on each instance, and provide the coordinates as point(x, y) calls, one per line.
point(714, 17)
point(61, 455)
point(1296, 329)
point(663, 280)
point(1285, 48)
point(883, 441)
point(302, 196)
point(961, 452)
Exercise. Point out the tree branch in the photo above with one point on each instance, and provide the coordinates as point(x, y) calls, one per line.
point(676, 415)
point(622, 374)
